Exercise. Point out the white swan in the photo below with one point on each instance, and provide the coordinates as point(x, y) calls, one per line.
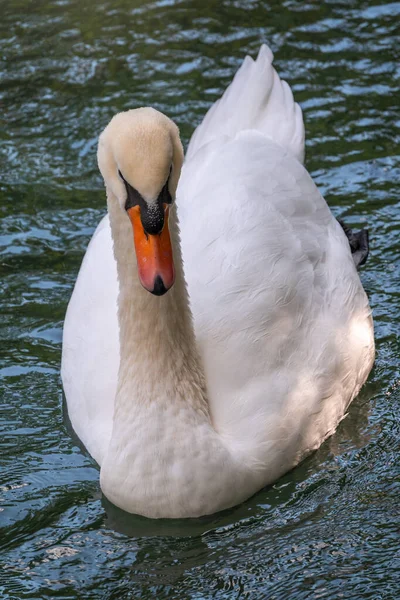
point(186, 422)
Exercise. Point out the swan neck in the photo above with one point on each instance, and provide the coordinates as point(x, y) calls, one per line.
point(157, 342)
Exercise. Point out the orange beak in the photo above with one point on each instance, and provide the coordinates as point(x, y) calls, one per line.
point(153, 254)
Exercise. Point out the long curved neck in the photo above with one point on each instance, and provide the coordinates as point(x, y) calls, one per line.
point(158, 355)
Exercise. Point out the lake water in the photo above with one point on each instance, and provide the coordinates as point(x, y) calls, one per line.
point(329, 529)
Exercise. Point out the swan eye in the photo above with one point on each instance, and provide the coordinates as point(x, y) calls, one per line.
point(165, 196)
point(133, 197)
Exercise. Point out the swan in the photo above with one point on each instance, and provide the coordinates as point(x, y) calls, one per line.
point(200, 365)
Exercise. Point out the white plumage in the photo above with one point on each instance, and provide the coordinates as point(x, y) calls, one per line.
point(281, 321)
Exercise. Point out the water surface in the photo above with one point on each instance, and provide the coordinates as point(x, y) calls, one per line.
point(329, 529)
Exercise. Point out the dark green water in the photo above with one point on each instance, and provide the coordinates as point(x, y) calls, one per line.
point(330, 528)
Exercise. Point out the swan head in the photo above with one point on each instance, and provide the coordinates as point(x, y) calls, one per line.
point(140, 156)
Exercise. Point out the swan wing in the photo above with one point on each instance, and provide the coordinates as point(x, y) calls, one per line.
point(282, 321)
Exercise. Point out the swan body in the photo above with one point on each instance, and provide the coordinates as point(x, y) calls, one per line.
point(190, 410)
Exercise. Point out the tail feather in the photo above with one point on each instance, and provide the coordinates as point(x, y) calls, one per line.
point(256, 99)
